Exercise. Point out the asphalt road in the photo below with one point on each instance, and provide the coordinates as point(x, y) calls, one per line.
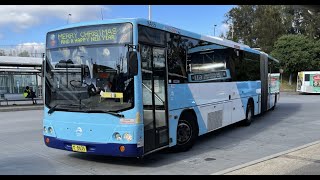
point(293, 123)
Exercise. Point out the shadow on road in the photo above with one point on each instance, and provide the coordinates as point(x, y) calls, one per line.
point(207, 143)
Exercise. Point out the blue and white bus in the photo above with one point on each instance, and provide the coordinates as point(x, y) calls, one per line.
point(130, 87)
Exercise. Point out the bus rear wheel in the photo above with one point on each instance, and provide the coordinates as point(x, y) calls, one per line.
point(187, 132)
point(249, 114)
point(275, 102)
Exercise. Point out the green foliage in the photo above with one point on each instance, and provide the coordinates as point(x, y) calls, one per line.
point(268, 26)
point(24, 54)
point(241, 20)
point(291, 33)
point(261, 25)
point(297, 53)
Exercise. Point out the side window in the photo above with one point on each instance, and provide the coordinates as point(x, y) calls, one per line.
point(233, 62)
point(176, 57)
point(307, 77)
point(275, 67)
point(247, 67)
point(251, 62)
point(240, 72)
point(208, 62)
point(149, 35)
point(145, 52)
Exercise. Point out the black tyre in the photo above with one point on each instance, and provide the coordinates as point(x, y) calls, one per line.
point(187, 133)
point(275, 103)
point(249, 114)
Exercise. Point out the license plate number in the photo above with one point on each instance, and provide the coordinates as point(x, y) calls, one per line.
point(79, 148)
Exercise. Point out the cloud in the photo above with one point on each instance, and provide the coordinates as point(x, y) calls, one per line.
point(224, 28)
point(26, 16)
point(34, 49)
point(31, 47)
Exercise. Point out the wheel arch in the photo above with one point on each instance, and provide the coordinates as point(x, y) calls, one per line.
point(251, 101)
point(185, 114)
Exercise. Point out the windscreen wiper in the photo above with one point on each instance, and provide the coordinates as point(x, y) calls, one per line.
point(108, 112)
point(54, 108)
point(51, 110)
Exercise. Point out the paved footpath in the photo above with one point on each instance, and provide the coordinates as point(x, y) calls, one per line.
point(303, 160)
point(21, 107)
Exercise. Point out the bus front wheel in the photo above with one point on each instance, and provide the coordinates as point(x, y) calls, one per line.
point(187, 132)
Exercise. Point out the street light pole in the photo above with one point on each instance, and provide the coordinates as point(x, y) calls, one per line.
point(68, 18)
point(101, 14)
point(214, 30)
point(149, 12)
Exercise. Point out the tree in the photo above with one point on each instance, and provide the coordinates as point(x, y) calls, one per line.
point(310, 24)
point(241, 20)
point(268, 26)
point(297, 53)
point(24, 54)
point(256, 25)
point(261, 25)
point(2, 53)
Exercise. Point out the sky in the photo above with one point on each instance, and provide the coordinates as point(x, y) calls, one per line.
point(25, 26)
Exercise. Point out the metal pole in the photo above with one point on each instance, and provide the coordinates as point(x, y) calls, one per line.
point(214, 30)
point(68, 18)
point(149, 12)
point(101, 14)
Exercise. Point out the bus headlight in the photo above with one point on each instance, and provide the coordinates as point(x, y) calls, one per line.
point(50, 129)
point(45, 129)
point(127, 136)
point(117, 136)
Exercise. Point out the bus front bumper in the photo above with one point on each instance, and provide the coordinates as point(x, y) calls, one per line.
point(109, 149)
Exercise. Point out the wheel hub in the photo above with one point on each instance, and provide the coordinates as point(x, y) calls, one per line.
point(184, 133)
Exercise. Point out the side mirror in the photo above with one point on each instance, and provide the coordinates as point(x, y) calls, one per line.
point(132, 57)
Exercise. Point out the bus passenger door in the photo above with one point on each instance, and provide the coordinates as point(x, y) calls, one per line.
point(154, 79)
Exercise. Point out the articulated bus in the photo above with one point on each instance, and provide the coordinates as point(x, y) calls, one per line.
point(130, 87)
point(308, 82)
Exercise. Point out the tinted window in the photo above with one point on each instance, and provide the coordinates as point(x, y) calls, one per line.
point(151, 36)
point(247, 67)
point(176, 57)
point(251, 63)
point(207, 58)
point(307, 77)
point(274, 66)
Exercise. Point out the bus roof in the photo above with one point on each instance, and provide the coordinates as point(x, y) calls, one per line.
point(160, 26)
point(20, 61)
point(310, 72)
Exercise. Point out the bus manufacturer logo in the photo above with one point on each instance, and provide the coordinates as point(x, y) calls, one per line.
point(79, 131)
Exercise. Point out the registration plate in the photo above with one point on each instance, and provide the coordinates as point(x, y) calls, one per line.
point(79, 148)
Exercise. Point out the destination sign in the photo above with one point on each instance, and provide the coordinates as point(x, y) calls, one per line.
point(98, 34)
point(209, 76)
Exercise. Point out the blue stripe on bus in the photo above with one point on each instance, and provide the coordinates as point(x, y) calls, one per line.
point(248, 89)
point(112, 149)
point(186, 99)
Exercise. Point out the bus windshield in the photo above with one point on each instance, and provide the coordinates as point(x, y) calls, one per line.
point(89, 78)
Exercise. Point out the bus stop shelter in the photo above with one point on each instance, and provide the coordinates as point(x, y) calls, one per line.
point(18, 72)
